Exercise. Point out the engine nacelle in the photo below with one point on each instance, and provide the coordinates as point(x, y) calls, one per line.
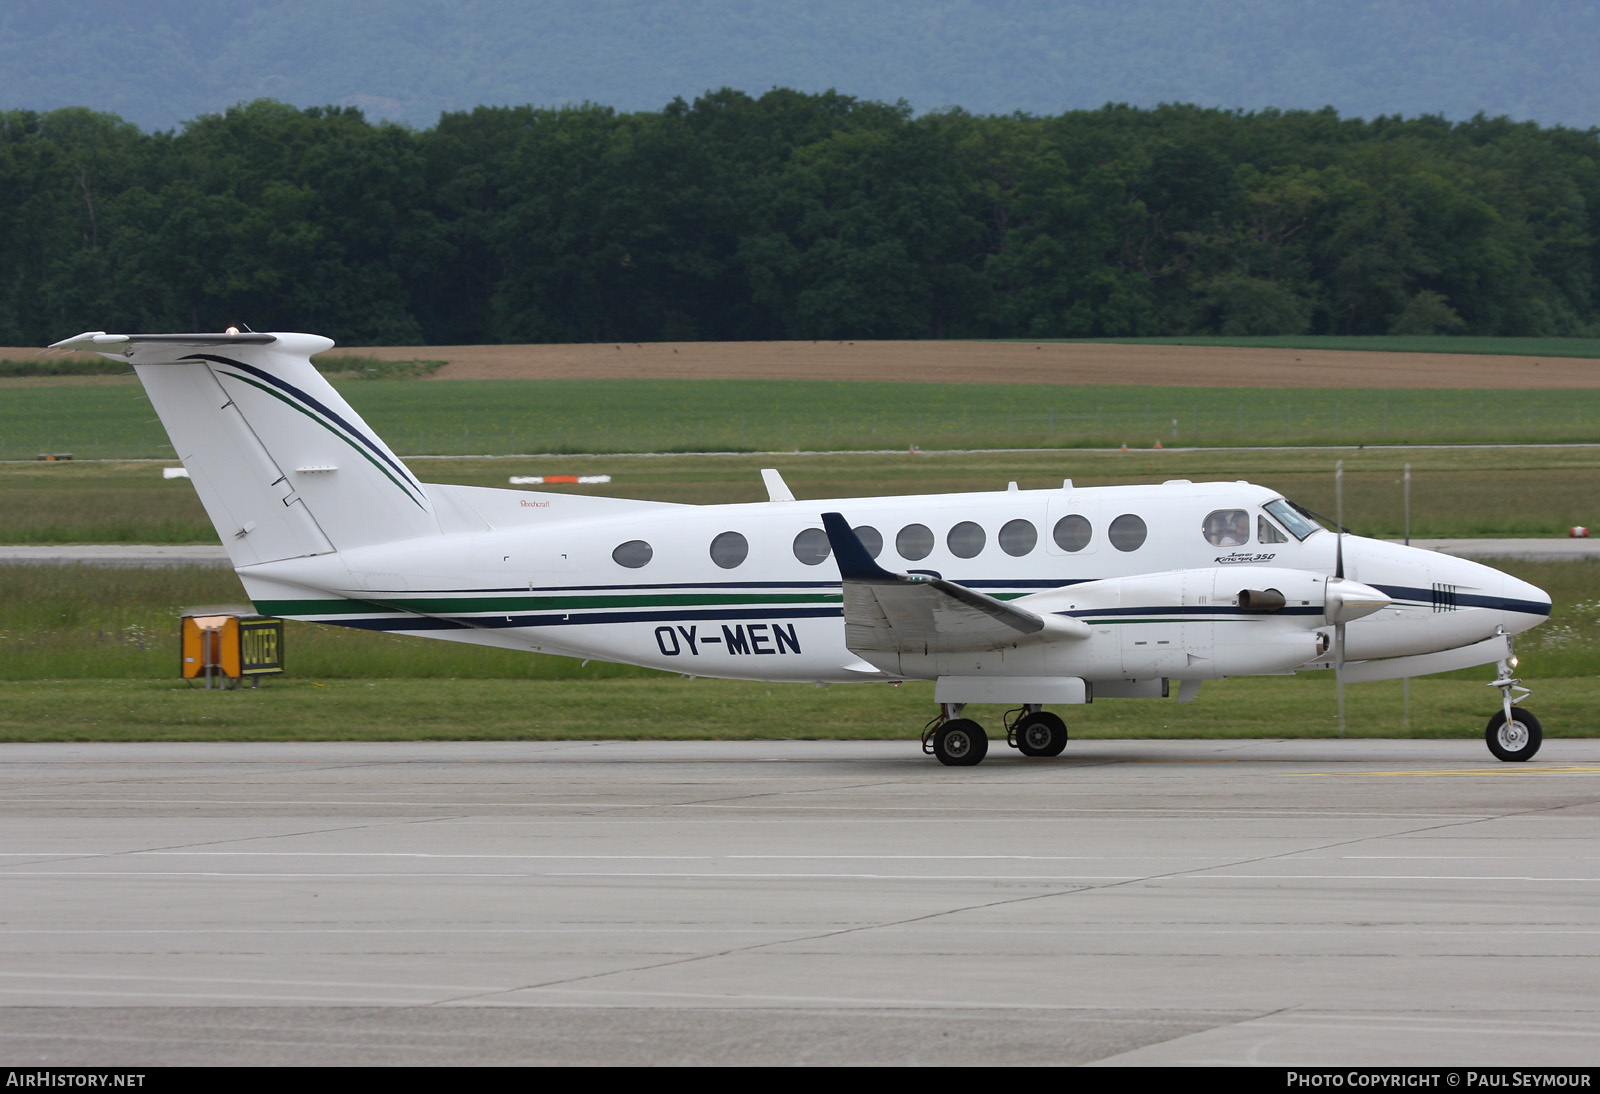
point(1194, 624)
point(1183, 624)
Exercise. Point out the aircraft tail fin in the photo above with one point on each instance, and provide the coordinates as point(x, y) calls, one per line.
point(283, 465)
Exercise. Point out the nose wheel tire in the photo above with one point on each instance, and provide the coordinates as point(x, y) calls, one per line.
point(1514, 740)
point(1041, 734)
point(960, 742)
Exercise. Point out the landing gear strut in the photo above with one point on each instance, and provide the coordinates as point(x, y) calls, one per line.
point(1513, 734)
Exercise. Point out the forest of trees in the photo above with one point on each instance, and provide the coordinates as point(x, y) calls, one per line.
point(795, 215)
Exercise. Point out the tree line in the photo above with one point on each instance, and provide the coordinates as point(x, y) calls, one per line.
point(795, 216)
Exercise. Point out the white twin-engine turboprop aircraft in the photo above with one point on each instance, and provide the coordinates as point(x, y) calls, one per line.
point(1022, 597)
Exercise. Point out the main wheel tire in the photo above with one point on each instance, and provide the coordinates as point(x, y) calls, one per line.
point(1041, 734)
point(1515, 740)
point(960, 742)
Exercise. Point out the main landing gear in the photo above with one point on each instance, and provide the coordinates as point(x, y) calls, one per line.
point(1035, 732)
point(957, 742)
point(1513, 734)
point(961, 742)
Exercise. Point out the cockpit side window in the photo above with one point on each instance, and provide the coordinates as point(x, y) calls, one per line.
point(1227, 528)
point(1300, 526)
point(1267, 532)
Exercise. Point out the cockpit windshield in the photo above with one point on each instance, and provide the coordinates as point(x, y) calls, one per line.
point(1293, 518)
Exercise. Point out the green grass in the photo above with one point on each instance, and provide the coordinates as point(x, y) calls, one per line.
point(374, 368)
point(60, 366)
point(113, 420)
point(404, 709)
point(1509, 491)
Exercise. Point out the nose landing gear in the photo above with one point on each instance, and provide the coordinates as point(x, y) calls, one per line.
point(1513, 734)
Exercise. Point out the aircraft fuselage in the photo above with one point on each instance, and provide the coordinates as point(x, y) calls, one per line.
point(765, 603)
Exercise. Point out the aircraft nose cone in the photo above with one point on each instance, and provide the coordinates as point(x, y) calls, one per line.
point(1526, 605)
point(1503, 601)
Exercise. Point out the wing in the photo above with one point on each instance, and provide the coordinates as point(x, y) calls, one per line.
point(917, 613)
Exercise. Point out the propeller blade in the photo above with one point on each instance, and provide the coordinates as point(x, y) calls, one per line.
point(1338, 509)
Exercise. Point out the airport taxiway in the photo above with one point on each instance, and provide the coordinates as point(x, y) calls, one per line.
point(789, 902)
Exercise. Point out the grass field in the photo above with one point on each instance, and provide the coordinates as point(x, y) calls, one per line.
point(466, 417)
point(670, 708)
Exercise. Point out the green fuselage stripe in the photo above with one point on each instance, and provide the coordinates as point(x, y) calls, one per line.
point(455, 605)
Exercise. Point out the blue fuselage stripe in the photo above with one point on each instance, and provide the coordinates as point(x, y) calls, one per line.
point(1467, 600)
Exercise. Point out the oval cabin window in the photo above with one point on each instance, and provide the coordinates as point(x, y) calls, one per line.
point(1072, 532)
point(632, 554)
point(729, 549)
point(914, 542)
point(811, 546)
point(1018, 538)
point(965, 540)
point(1127, 532)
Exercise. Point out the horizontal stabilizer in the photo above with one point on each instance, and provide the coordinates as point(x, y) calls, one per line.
point(127, 345)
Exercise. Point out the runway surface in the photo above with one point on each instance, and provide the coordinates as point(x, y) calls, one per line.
point(1206, 902)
